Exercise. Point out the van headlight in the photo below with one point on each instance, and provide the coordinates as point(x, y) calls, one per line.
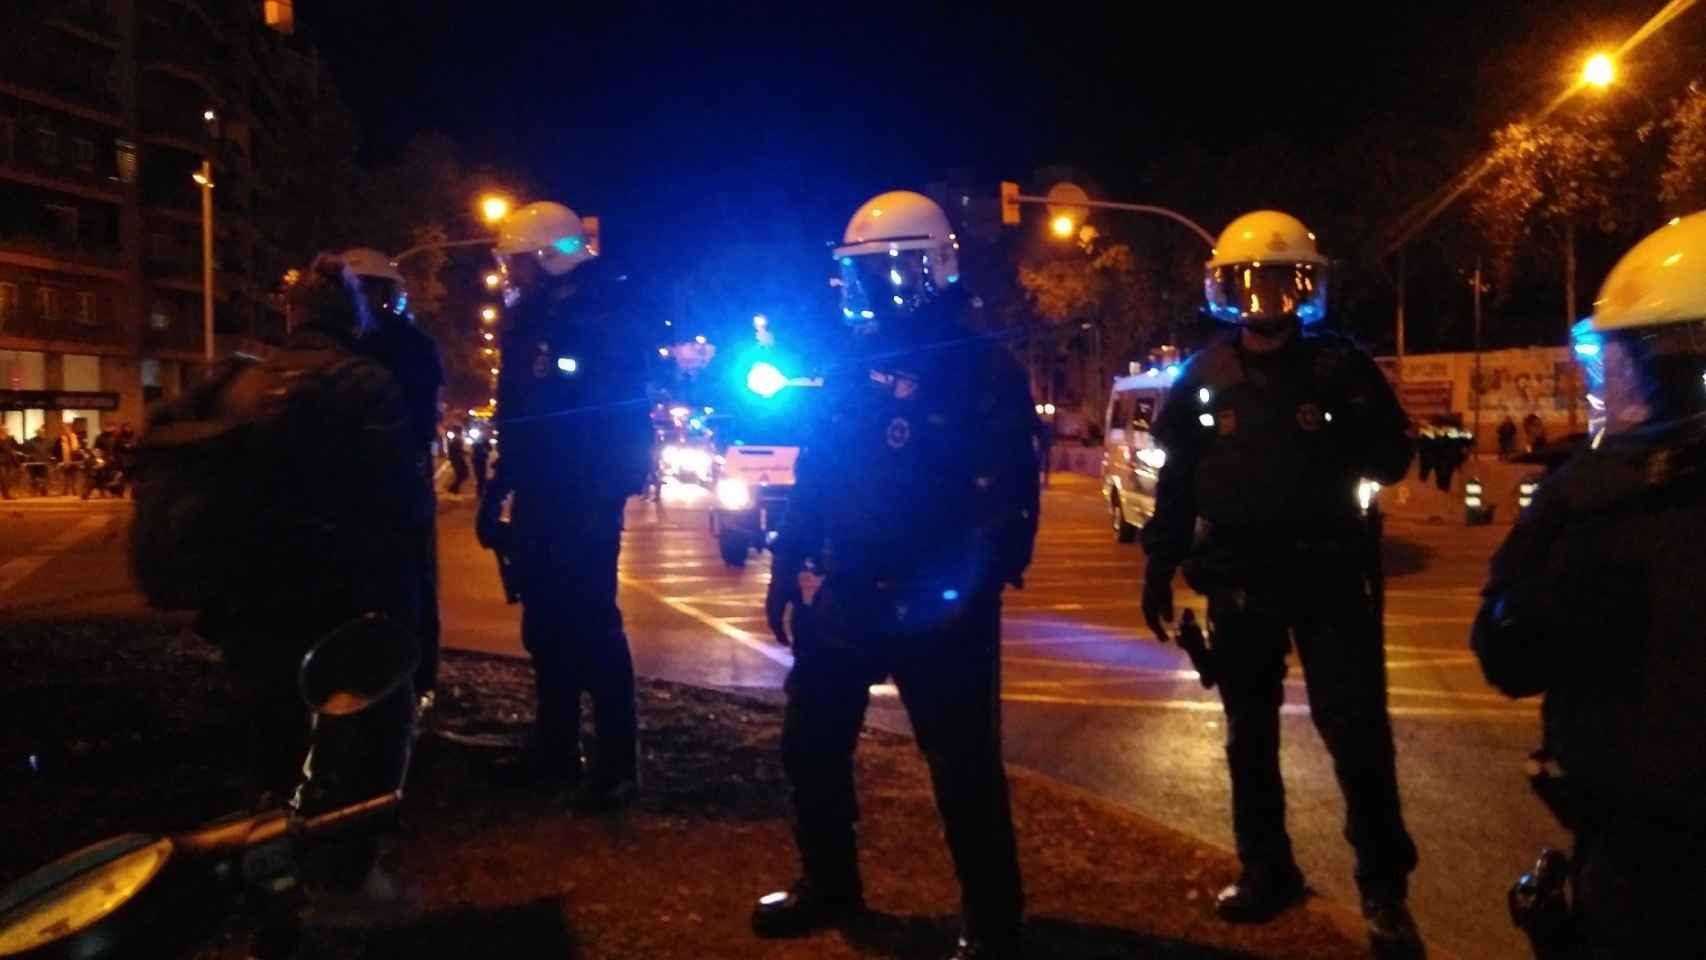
point(1153, 457)
point(733, 493)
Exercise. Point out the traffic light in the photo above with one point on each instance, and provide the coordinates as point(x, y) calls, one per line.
point(590, 226)
point(1009, 203)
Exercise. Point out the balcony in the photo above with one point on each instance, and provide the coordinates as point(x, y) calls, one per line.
point(90, 253)
point(51, 63)
point(28, 323)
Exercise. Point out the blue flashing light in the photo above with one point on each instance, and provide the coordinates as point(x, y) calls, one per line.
point(847, 312)
point(847, 261)
point(765, 380)
point(568, 245)
point(950, 595)
point(867, 315)
point(954, 278)
point(696, 423)
point(1173, 370)
point(568, 364)
point(1587, 348)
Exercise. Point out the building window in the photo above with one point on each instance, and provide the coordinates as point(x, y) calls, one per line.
point(64, 223)
point(47, 303)
point(83, 155)
point(85, 312)
point(8, 304)
point(47, 145)
point(159, 316)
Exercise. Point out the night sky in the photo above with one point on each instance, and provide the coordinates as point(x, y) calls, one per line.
point(686, 125)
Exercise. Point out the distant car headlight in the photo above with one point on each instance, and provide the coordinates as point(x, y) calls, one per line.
point(733, 493)
point(694, 460)
point(1367, 492)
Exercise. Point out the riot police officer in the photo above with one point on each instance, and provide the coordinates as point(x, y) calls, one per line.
point(573, 413)
point(917, 503)
point(411, 357)
point(1594, 600)
point(1267, 433)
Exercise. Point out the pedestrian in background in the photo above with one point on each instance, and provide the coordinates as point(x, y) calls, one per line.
point(11, 455)
point(482, 456)
point(1267, 433)
point(456, 451)
point(1533, 432)
point(1507, 438)
point(69, 454)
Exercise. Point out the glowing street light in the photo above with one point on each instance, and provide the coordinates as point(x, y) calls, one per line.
point(1599, 71)
point(490, 337)
point(489, 314)
point(1062, 226)
point(494, 207)
point(492, 281)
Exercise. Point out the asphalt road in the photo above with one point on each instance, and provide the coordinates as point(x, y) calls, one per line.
point(1088, 697)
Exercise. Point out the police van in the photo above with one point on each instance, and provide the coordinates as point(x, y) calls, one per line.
point(1131, 460)
point(753, 473)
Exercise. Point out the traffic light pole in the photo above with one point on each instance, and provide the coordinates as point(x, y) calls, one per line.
point(1172, 215)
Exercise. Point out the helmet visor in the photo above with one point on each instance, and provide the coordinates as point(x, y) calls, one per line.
point(1242, 292)
point(1643, 375)
point(879, 286)
point(383, 295)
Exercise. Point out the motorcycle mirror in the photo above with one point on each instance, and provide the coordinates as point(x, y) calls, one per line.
point(357, 665)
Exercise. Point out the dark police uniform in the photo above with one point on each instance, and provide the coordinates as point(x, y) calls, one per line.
point(1595, 600)
point(412, 358)
point(1257, 502)
point(573, 415)
point(918, 501)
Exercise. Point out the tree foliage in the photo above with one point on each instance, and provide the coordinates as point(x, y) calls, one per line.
point(1552, 176)
point(1682, 184)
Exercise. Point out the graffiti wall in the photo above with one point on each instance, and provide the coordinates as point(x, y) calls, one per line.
point(1538, 381)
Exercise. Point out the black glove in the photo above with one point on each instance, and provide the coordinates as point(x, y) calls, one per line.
point(784, 591)
point(1158, 601)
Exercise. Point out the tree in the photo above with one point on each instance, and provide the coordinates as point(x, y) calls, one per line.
point(1101, 291)
point(1554, 175)
point(1682, 184)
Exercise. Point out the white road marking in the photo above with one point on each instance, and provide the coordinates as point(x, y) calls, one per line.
point(758, 645)
point(14, 571)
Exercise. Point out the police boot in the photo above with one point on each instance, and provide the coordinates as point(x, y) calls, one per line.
point(805, 908)
point(1392, 931)
point(1260, 894)
point(828, 892)
point(974, 948)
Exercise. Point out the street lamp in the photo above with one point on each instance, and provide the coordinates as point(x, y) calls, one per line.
point(1599, 71)
point(1062, 226)
point(492, 281)
point(204, 179)
point(494, 207)
point(489, 314)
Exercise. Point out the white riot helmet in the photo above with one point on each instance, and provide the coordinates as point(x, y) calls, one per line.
point(1265, 269)
point(897, 254)
point(549, 232)
point(380, 280)
point(1644, 349)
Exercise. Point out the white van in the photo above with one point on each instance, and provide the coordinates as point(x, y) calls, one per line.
point(1131, 461)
